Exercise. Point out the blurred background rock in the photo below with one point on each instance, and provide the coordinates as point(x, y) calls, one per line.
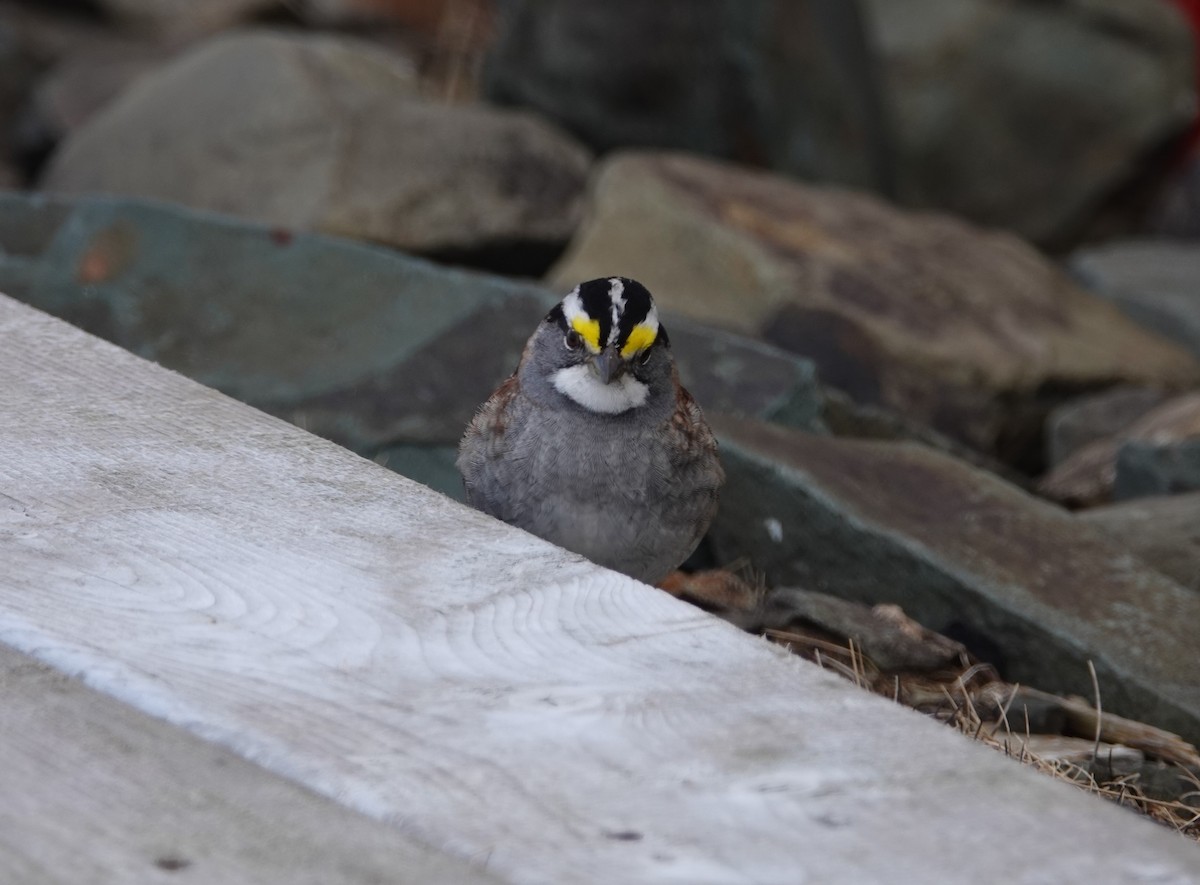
point(1060, 121)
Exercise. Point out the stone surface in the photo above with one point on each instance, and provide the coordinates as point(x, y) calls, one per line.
point(972, 332)
point(323, 133)
point(882, 633)
point(1164, 532)
point(843, 417)
point(183, 17)
point(1087, 477)
point(1145, 467)
point(1035, 67)
point(79, 85)
point(1176, 213)
point(1023, 583)
point(424, 16)
point(1095, 416)
point(386, 354)
point(786, 83)
point(1156, 282)
point(20, 65)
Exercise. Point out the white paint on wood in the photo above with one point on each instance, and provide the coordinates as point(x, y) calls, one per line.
point(473, 685)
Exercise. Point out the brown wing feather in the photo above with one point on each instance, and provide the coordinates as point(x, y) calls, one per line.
point(695, 439)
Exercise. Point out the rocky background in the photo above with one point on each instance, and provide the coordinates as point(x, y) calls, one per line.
point(932, 266)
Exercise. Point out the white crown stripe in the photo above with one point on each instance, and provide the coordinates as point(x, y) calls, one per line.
point(616, 291)
point(572, 305)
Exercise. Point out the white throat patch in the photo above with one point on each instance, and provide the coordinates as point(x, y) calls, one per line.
point(581, 385)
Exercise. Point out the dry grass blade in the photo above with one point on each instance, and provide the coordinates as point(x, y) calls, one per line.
point(957, 699)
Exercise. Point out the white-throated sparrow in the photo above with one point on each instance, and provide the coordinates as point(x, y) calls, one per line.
point(592, 443)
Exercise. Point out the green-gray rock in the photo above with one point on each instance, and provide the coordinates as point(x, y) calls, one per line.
point(1147, 467)
point(1163, 531)
point(965, 554)
point(387, 354)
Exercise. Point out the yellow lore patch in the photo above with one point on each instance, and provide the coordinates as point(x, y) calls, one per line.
point(589, 330)
point(640, 337)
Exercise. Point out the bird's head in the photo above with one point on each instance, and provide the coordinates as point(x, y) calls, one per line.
point(603, 347)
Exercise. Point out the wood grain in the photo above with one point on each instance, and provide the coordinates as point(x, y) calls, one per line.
point(94, 792)
point(475, 687)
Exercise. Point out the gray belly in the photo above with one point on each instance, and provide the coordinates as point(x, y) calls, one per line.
point(608, 498)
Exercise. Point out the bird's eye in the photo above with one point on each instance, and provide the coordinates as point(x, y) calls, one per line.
point(644, 356)
point(573, 340)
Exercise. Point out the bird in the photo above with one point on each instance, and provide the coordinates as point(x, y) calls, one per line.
point(592, 443)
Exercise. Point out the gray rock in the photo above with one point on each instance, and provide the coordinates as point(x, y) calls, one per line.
point(432, 465)
point(1164, 532)
point(786, 83)
point(970, 331)
point(79, 85)
point(1147, 467)
point(1077, 93)
point(1096, 416)
point(386, 354)
point(19, 69)
point(326, 134)
point(1023, 583)
point(1155, 282)
point(1176, 212)
point(177, 18)
point(1087, 477)
point(845, 418)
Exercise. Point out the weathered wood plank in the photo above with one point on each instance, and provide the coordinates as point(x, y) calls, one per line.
point(474, 686)
point(94, 791)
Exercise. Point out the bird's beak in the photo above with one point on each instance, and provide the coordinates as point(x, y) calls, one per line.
point(609, 365)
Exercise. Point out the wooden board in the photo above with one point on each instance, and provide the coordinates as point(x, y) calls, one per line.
point(475, 687)
point(96, 792)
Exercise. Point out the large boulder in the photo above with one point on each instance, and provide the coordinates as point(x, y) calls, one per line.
point(327, 134)
point(386, 354)
point(1077, 93)
point(1156, 282)
point(1023, 583)
point(971, 331)
point(786, 83)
